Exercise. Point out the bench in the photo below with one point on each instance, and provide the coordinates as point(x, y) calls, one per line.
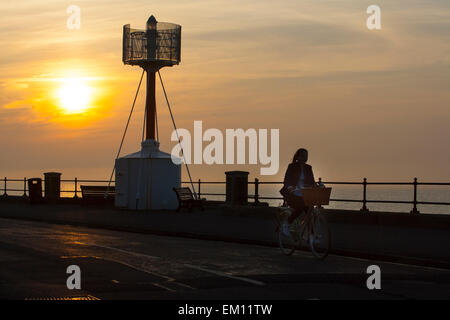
point(97, 194)
point(186, 199)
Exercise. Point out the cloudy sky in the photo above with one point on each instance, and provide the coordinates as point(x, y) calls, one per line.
point(365, 103)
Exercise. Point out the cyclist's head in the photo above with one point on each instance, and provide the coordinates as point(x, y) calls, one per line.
point(300, 156)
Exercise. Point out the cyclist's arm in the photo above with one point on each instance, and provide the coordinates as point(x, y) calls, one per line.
point(288, 186)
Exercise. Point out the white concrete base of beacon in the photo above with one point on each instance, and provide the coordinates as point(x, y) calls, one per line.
point(144, 180)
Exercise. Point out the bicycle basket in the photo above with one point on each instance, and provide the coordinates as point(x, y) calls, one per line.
point(316, 196)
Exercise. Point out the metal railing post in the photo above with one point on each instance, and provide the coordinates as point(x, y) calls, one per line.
point(199, 188)
point(76, 187)
point(414, 210)
point(256, 190)
point(364, 207)
point(25, 187)
point(319, 183)
point(4, 193)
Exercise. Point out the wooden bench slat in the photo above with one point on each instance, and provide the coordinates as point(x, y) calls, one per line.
point(186, 198)
point(97, 193)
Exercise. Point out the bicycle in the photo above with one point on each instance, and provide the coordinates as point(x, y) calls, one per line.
point(310, 227)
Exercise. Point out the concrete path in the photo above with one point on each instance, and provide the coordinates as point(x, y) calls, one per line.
point(353, 234)
point(121, 265)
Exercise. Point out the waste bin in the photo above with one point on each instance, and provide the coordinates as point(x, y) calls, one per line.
point(52, 185)
point(237, 187)
point(35, 190)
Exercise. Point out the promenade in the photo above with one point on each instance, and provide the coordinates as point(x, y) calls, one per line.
point(396, 237)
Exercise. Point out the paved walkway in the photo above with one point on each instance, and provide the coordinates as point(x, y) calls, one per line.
point(350, 236)
point(121, 265)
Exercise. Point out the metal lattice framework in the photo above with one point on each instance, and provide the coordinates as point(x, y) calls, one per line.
point(159, 44)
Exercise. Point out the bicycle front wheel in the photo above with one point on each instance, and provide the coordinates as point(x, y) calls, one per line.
point(320, 237)
point(289, 242)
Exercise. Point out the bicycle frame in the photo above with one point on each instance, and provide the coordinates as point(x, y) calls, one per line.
point(306, 217)
point(303, 230)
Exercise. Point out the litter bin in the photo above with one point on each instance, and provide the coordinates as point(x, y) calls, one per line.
point(35, 190)
point(52, 185)
point(237, 187)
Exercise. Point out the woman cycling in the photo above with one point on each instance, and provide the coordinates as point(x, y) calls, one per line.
point(298, 176)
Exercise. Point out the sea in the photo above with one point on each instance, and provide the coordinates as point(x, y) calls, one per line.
point(350, 192)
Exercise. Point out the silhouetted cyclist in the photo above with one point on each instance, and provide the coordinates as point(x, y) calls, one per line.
point(298, 176)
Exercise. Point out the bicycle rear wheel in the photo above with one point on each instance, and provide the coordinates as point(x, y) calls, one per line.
point(320, 237)
point(288, 243)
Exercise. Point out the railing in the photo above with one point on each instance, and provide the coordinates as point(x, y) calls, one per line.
point(76, 191)
point(257, 197)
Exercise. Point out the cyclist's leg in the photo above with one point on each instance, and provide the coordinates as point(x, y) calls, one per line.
point(298, 206)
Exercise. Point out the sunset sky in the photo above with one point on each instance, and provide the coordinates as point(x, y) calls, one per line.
point(365, 103)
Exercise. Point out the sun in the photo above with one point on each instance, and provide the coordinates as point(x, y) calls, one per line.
point(74, 95)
